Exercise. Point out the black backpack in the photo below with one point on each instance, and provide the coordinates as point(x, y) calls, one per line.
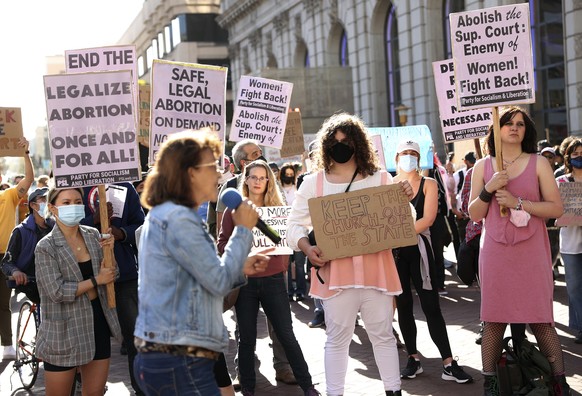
point(523, 370)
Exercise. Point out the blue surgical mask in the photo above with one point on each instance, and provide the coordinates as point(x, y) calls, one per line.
point(41, 209)
point(576, 162)
point(71, 215)
point(408, 163)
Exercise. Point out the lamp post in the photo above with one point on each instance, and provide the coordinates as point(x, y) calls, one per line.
point(402, 114)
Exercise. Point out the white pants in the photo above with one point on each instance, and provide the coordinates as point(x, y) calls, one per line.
point(340, 316)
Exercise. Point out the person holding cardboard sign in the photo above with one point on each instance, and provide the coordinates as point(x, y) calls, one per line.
point(416, 265)
point(571, 242)
point(515, 265)
point(76, 322)
point(268, 289)
point(366, 283)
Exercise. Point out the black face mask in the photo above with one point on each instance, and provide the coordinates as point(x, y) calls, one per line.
point(287, 180)
point(261, 158)
point(341, 153)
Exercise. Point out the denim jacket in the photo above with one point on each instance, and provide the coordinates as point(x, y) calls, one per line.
point(182, 281)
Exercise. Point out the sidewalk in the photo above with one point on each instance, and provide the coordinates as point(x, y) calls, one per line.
point(460, 308)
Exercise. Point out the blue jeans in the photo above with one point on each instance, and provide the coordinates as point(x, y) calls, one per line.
point(159, 374)
point(271, 293)
point(126, 306)
point(573, 269)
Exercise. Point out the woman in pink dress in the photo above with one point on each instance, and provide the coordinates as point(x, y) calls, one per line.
point(515, 264)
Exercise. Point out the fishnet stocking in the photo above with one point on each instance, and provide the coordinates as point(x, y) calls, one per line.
point(546, 336)
point(492, 345)
point(549, 345)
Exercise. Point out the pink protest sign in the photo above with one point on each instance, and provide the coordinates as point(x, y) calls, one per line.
point(261, 111)
point(104, 59)
point(186, 96)
point(92, 128)
point(456, 124)
point(493, 57)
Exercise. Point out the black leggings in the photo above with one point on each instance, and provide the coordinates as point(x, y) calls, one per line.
point(221, 374)
point(408, 264)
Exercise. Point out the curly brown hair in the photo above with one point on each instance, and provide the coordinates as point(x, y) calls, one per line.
point(358, 137)
point(169, 179)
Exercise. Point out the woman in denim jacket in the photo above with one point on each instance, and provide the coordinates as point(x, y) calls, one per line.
point(182, 281)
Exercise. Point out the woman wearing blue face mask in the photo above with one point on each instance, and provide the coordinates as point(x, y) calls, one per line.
point(76, 322)
point(416, 263)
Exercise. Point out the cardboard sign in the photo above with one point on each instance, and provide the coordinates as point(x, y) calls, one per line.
point(186, 96)
point(571, 194)
point(456, 125)
point(276, 217)
point(391, 138)
point(362, 221)
point(104, 59)
point(92, 130)
point(261, 111)
point(493, 57)
point(10, 132)
point(293, 139)
point(144, 114)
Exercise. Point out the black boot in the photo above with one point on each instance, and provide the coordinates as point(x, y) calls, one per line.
point(393, 393)
point(490, 385)
point(561, 387)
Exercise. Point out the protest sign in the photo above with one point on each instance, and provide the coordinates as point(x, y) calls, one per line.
point(293, 139)
point(144, 114)
point(571, 194)
point(10, 132)
point(493, 56)
point(362, 221)
point(455, 124)
point(186, 96)
point(276, 217)
point(92, 131)
point(391, 137)
point(261, 111)
point(104, 59)
point(377, 141)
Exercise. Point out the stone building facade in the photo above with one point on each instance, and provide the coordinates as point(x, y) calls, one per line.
point(371, 56)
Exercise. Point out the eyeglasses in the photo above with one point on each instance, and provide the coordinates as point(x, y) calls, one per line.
point(216, 164)
point(258, 179)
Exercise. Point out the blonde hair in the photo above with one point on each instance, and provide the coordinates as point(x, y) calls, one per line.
point(273, 196)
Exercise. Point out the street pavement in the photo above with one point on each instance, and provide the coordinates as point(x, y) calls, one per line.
point(460, 309)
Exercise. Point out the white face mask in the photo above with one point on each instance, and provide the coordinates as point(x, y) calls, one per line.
point(41, 209)
point(408, 163)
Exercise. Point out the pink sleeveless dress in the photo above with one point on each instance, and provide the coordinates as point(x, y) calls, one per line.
point(515, 263)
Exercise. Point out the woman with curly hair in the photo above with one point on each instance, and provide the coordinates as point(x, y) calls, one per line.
point(365, 284)
point(268, 289)
point(515, 251)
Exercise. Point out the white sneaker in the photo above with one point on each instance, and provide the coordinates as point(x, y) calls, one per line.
point(9, 353)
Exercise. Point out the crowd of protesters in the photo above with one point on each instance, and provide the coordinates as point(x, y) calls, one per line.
point(55, 236)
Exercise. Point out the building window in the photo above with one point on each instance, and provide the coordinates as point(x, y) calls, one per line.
point(168, 39)
point(161, 49)
point(176, 36)
point(307, 61)
point(450, 6)
point(392, 66)
point(140, 66)
point(549, 110)
point(343, 50)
